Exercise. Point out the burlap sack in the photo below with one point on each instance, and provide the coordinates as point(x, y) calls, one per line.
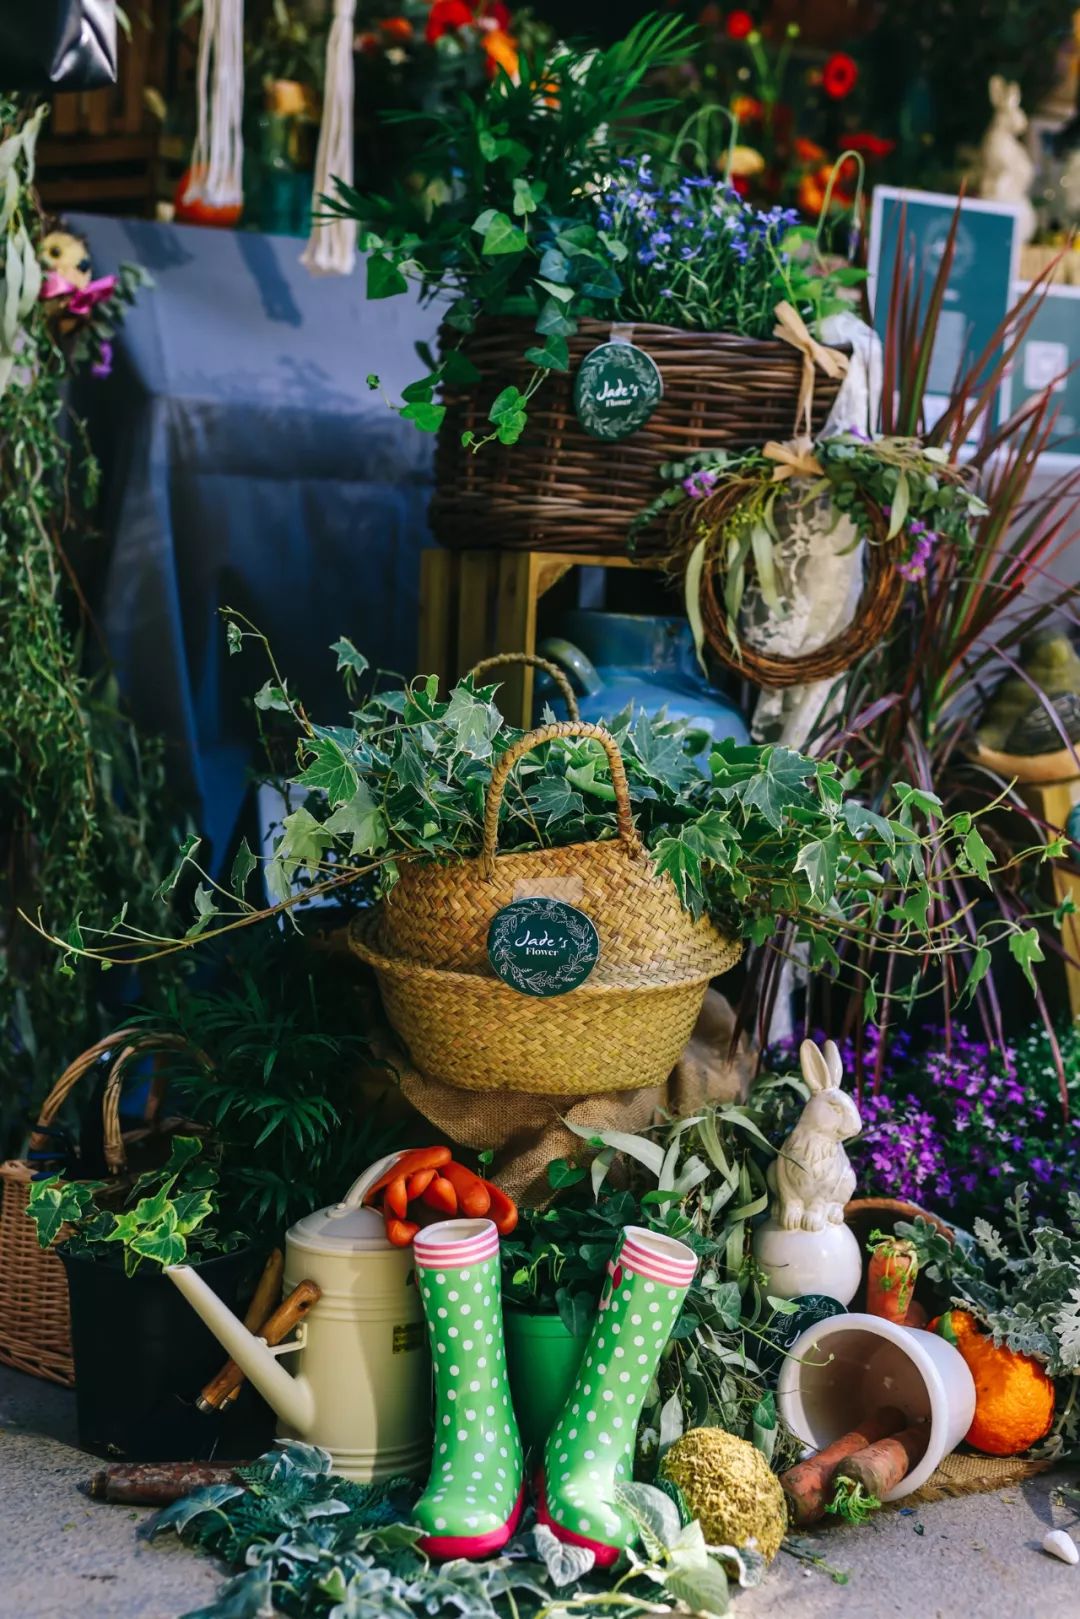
point(528, 1132)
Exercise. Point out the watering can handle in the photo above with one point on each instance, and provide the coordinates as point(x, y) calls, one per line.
point(360, 1187)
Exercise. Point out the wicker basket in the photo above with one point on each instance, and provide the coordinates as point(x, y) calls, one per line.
point(35, 1328)
point(558, 488)
point(439, 915)
point(620, 1030)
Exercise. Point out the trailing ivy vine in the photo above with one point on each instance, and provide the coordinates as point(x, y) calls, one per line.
point(80, 793)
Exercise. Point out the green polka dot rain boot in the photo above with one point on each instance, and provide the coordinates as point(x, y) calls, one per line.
point(473, 1499)
point(590, 1450)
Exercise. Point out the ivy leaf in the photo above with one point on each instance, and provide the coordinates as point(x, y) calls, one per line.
point(561, 1174)
point(528, 196)
point(1025, 950)
point(360, 819)
point(818, 860)
point(860, 821)
point(270, 696)
point(505, 404)
point(575, 1311)
point(384, 279)
point(977, 852)
point(777, 784)
point(554, 356)
point(551, 321)
point(243, 865)
point(500, 234)
point(554, 799)
point(675, 859)
point(329, 770)
point(726, 1300)
point(424, 415)
point(458, 368)
point(303, 842)
point(234, 637)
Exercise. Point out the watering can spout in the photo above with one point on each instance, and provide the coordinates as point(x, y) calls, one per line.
point(290, 1397)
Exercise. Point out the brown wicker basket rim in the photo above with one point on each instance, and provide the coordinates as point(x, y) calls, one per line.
point(589, 326)
point(364, 940)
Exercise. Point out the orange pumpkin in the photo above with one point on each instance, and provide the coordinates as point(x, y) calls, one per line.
point(1014, 1398)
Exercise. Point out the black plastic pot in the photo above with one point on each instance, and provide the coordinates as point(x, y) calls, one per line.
point(142, 1355)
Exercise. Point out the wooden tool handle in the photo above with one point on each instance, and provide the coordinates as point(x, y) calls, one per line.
point(156, 1484)
point(263, 1303)
point(288, 1315)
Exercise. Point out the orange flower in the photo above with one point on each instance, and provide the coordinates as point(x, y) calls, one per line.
point(808, 151)
point(501, 52)
point(746, 109)
point(810, 195)
point(396, 27)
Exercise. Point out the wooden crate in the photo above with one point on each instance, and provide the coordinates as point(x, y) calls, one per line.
point(474, 604)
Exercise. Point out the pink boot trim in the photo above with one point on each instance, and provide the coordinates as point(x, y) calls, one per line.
point(446, 1547)
point(605, 1555)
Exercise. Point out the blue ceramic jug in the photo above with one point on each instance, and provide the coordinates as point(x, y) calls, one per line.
point(617, 658)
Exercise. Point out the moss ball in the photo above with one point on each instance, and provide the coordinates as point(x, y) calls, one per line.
point(729, 1487)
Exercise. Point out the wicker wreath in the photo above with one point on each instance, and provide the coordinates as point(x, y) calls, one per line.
point(881, 599)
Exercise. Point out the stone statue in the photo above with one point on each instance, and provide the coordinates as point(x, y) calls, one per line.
point(1006, 170)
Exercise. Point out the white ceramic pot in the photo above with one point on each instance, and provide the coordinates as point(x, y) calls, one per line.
point(797, 1262)
point(846, 1367)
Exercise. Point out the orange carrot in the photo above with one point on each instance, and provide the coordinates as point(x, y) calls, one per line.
point(401, 1232)
point(807, 1484)
point(890, 1277)
point(407, 1163)
point(418, 1183)
point(396, 1197)
point(502, 1209)
point(441, 1195)
point(473, 1197)
point(880, 1467)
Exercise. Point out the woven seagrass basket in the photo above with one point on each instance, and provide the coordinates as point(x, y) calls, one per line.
point(439, 915)
point(623, 1028)
point(620, 1030)
point(35, 1327)
point(558, 488)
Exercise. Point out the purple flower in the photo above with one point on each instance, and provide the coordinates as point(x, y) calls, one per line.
point(700, 483)
point(102, 366)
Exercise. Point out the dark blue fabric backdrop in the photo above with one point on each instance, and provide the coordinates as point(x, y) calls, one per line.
point(246, 463)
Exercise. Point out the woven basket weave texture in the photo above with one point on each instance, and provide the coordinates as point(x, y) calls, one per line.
point(620, 1030)
point(558, 488)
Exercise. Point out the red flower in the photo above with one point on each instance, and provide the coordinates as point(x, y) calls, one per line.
point(497, 13)
point(396, 27)
point(739, 24)
point(446, 17)
point(740, 185)
point(839, 76)
point(872, 145)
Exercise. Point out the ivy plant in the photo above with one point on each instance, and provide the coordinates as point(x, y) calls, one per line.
point(166, 1217)
point(760, 838)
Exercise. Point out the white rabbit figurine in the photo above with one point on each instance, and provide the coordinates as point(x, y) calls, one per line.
point(1006, 170)
point(804, 1246)
point(812, 1178)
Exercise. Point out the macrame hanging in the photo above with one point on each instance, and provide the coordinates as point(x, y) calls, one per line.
point(218, 156)
point(331, 248)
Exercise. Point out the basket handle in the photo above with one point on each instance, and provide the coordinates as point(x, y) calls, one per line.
point(131, 1043)
point(624, 815)
point(549, 668)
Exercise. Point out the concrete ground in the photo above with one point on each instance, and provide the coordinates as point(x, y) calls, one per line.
point(65, 1557)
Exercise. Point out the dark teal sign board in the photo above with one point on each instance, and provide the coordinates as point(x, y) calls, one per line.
point(980, 288)
point(1050, 349)
point(542, 946)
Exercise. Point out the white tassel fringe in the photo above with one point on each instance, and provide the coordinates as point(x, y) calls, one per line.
point(218, 155)
point(331, 248)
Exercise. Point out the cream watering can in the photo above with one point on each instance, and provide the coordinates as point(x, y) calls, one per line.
point(361, 1380)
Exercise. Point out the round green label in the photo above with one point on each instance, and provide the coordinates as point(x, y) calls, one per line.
point(616, 390)
point(542, 946)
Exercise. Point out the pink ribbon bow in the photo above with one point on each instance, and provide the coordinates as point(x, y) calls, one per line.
point(81, 300)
